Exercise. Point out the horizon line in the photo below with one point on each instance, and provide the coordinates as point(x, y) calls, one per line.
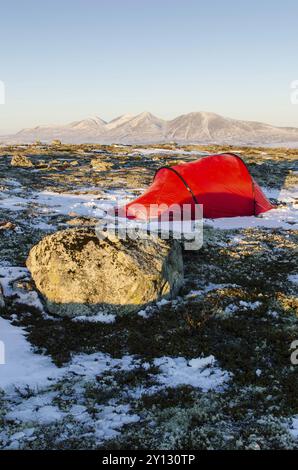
point(97, 116)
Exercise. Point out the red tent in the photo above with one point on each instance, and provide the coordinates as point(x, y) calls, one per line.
point(221, 183)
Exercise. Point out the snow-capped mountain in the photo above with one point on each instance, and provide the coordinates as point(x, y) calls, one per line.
point(88, 124)
point(213, 128)
point(141, 128)
point(85, 130)
point(197, 127)
point(119, 121)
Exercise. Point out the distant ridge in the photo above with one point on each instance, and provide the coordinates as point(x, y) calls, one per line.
point(145, 128)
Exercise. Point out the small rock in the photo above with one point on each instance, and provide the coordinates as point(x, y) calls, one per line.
point(99, 165)
point(175, 162)
point(21, 161)
point(7, 225)
point(78, 274)
point(24, 285)
point(42, 164)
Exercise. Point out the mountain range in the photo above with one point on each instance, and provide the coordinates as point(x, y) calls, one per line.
point(196, 127)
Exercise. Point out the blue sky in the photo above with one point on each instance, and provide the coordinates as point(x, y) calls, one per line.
point(70, 59)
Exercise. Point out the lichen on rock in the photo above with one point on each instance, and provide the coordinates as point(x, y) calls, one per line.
point(100, 165)
point(79, 274)
point(21, 161)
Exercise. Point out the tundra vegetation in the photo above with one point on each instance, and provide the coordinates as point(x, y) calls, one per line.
point(238, 304)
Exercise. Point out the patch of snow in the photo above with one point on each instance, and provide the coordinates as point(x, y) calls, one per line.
point(293, 428)
point(144, 314)
point(193, 293)
point(64, 203)
point(40, 407)
point(25, 369)
point(29, 298)
point(43, 225)
point(99, 318)
point(250, 305)
point(281, 195)
point(22, 366)
point(163, 302)
point(285, 217)
point(28, 411)
point(110, 419)
point(207, 288)
point(200, 372)
point(273, 314)
point(293, 278)
point(11, 183)
point(13, 203)
point(91, 365)
point(50, 202)
point(230, 309)
point(11, 274)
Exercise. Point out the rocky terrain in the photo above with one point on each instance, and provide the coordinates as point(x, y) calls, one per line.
point(198, 127)
point(209, 368)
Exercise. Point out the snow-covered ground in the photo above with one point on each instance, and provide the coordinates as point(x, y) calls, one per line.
point(101, 317)
point(199, 372)
point(21, 367)
point(26, 372)
point(285, 217)
point(36, 392)
point(49, 202)
point(293, 428)
point(30, 380)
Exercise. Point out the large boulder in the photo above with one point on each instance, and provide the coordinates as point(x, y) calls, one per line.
point(80, 274)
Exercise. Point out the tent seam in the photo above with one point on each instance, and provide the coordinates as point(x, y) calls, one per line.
point(251, 178)
point(181, 178)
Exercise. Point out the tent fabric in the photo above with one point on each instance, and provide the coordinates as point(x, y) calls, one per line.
point(221, 183)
